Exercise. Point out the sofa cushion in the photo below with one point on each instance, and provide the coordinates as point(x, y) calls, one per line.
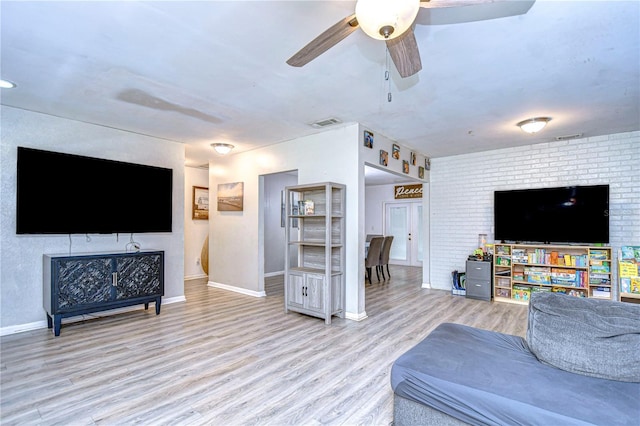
point(598, 338)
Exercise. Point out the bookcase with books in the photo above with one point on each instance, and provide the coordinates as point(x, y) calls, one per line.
point(522, 269)
point(629, 273)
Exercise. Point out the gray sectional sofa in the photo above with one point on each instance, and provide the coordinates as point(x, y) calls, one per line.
point(579, 365)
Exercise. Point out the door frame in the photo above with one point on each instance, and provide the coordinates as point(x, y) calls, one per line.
point(414, 222)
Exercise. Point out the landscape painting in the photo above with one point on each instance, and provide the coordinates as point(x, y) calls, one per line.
point(230, 197)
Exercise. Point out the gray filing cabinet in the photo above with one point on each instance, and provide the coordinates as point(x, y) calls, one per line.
point(479, 280)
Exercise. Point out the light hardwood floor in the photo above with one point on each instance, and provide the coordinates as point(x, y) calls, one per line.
point(223, 358)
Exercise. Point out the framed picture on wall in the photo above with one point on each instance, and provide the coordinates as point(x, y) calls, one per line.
point(231, 197)
point(413, 158)
point(368, 139)
point(200, 203)
point(384, 158)
point(421, 172)
point(405, 166)
point(427, 164)
point(395, 153)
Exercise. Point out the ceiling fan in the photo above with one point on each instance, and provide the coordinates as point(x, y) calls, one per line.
point(393, 21)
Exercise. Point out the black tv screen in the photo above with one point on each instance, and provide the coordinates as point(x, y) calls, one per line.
point(71, 194)
point(572, 214)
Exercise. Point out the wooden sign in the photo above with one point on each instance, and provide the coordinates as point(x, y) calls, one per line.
point(407, 191)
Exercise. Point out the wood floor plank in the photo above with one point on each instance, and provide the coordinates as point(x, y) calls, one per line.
point(228, 358)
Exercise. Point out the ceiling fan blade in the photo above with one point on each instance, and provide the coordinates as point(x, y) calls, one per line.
point(442, 12)
point(324, 41)
point(405, 54)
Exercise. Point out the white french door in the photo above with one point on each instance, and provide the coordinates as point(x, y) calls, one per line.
point(404, 221)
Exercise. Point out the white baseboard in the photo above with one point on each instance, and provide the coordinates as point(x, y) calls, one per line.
point(237, 289)
point(426, 285)
point(274, 274)
point(195, 277)
point(21, 328)
point(356, 317)
point(12, 329)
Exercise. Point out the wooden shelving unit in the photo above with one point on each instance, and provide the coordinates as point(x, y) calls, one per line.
point(521, 269)
point(315, 252)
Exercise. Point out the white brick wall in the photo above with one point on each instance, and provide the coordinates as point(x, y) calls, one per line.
point(462, 190)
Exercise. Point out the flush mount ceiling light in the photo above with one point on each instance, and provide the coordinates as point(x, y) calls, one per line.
point(6, 84)
point(385, 19)
point(533, 125)
point(222, 148)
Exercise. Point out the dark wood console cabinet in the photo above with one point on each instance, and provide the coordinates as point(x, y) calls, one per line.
point(81, 284)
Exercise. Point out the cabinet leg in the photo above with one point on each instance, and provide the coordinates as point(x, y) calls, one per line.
point(49, 321)
point(146, 306)
point(57, 323)
point(158, 302)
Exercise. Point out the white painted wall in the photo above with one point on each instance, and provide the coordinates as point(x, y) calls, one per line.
point(236, 238)
point(21, 255)
point(195, 231)
point(462, 190)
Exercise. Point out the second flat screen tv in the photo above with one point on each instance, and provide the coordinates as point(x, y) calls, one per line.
point(572, 214)
point(72, 194)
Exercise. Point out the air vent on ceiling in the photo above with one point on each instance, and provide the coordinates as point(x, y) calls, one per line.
point(326, 122)
point(568, 137)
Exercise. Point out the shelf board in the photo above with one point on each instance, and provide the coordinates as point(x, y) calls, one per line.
point(314, 244)
point(510, 300)
point(551, 285)
point(630, 295)
point(312, 270)
point(552, 266)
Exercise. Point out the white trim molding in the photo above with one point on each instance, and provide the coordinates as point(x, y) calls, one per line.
point(237, 289)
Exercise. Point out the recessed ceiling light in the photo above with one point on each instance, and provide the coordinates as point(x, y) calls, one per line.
point(6, 84)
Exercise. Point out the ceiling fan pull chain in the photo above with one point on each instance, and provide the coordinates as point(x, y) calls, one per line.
point(386, 76)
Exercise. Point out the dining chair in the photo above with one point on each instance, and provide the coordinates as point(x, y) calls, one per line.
point(373, 256)
point(384, 256)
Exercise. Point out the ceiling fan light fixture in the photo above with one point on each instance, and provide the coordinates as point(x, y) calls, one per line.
point(222, 148)
point(386, 19)
point(6, 84)
point(533, 125)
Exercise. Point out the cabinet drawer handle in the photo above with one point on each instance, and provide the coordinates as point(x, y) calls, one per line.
point(114, 279)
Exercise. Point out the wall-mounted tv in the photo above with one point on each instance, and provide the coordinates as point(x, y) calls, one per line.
point(72, 194)
point(572, 214)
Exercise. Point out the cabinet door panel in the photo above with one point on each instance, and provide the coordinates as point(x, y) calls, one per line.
point(315, 292)
point(295, 290)
point(83, 282)
point(138, 276)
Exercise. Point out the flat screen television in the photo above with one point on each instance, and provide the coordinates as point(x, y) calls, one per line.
point(572, 214)
point(72, 194)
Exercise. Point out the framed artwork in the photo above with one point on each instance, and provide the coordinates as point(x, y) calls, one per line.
point(421, 172)
point(200, 203)
point(231, 197)
point(395, 153)
point(413, 158)
point(427, 164)
point(368, 139)
point(384, 158)
point(405, 166)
